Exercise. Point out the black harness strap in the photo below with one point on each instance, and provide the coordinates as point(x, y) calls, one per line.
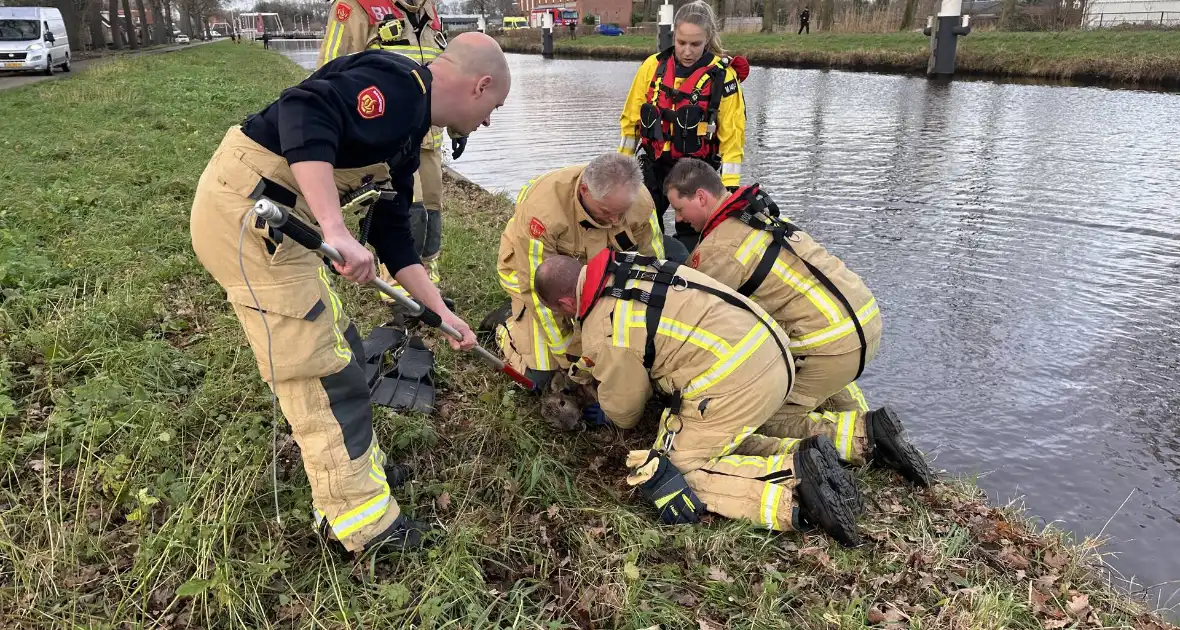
point(779, 231)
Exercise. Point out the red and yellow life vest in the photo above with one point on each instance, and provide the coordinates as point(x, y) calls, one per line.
point(682, 122)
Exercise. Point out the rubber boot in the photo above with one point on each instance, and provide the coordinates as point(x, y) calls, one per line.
point(396, 475)
point(890, 448)
point(402, 535)
point(820, 504)
point(843, 483)
point(498, 317)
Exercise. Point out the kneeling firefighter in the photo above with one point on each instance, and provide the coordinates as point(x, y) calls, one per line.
point(686, 102)
point(828, 312)
point(332, 134)
point(723, 366)
point(414, 30)
point(575, 211)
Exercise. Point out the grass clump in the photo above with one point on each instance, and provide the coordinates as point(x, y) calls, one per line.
point(135, 437)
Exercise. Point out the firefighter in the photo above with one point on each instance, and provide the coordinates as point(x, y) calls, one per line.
point(575, 211)
point(686, 102)
point(747, 247)
point(722, 365)
point(330, 134)
point(412, 29)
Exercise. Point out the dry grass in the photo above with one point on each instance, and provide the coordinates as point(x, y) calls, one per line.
point(135, 440)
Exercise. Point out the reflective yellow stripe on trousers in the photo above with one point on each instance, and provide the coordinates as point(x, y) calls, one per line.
point(342, 349)
point(369, 512)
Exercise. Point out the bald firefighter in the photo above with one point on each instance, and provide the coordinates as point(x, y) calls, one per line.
point(747, 247)
point(414, 30)
point(333, 133)
point(723, 364)
point(575, 211)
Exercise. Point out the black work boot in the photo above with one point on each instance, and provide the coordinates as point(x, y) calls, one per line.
point(396, 475)
point(820, 503)
point(497, 317)
point(890, 448)
point(402, 535)
point(843, 483)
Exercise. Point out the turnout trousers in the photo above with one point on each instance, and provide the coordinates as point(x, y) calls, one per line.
point(825, 401)
point(735, 472)
point(312, 348)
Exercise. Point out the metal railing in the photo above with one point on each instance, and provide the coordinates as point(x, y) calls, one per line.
point(1133, 18)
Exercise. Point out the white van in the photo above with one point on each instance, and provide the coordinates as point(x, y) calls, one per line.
point(33, 38)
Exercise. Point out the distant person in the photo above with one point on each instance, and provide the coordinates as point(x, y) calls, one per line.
point(805, 21)
point(686, 102)
point(573, 31)
point(265, 40)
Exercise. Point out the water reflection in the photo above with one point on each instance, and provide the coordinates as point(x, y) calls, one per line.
point(1022, 241)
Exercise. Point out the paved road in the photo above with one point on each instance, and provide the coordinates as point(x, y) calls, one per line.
point(10, 80)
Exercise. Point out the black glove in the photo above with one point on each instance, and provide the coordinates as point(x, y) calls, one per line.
point(593, 415)
point(667, 489)
point(457, 146)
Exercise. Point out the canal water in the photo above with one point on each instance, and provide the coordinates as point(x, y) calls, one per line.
point(1023, 242)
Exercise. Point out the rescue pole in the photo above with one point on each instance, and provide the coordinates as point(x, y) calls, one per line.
point(664, 41)
point(547, 35)
point(282, 220)
point(944, 32)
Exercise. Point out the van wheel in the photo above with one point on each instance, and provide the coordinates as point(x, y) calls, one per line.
point(66, 66)
point(48, 66)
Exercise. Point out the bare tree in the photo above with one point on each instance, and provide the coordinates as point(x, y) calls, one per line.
point(907, 19)
point(94, 16)
point(769, 15)
point(129, 26)
point(113, 20)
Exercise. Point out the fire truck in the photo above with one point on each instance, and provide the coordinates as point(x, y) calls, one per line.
point(561, 16)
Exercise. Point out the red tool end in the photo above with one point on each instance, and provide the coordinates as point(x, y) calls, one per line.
point(523, 380)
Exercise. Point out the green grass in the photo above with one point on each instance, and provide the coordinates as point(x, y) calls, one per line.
point(135, 487)
point(1139, 57)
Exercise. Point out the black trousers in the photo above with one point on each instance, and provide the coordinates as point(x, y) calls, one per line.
point(654, 173)
point(804, 25)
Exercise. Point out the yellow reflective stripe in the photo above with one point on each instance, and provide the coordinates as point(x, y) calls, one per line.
point(789, 445)
point(755, 245)
point(524, 190)
point(370, 512)
point(845, 426)
point(771, 495)
point(424, 56)
point(737, 440)
point(626, 318)
point(342, 349)
point(540, 352)
point(664, 500)
point(858, 396)
point(628, 144)
point(698, 337)
point(553, 336)
point(836, 331)
point(744, 349)
point(335, 36)
point(509, 281)
point(657, 235)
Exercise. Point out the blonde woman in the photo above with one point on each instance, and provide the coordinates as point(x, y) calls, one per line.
point(686, 102)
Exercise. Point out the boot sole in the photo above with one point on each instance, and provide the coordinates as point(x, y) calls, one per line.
point(820, 502)
point(897, 452)
point(843, 483)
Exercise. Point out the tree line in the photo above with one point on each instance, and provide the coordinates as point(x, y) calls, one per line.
point(84, 23)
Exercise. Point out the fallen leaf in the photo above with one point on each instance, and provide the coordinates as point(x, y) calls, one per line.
point(821, 558)
point(1047, 580)
point(893, 614)
point(1051, 624)
point(1012, 558)
point(37, 465)
point(1039, 601)
point(443, 501)
point(1079, 606)
point(552, 511)
point(597, 463)
point(875, 616)
point(631, 571)
point(596, 532)
point(688, 600)
point(1055, 560)
point(717, 575)
point(291, 612)
point(706, 624)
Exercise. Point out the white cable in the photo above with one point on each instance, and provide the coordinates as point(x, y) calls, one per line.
point(274, 408)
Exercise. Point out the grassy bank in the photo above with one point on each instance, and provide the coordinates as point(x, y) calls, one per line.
point(1139, 57)
point(135, 488)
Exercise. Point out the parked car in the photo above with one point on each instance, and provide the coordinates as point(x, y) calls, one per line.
point(608, 29)
point(182, 39)
point(33, 38)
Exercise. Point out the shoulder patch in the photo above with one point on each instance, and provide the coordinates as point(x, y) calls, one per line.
point(730, 88)
point(536, 228)
point(696, 260)
point(378, 10)
point(343, 11)
point(370, 103)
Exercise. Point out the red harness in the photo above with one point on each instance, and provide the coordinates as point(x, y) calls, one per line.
point(670, 119)
point(736, 202)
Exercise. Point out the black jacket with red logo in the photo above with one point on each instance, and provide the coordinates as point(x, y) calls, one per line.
point(355, 111)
